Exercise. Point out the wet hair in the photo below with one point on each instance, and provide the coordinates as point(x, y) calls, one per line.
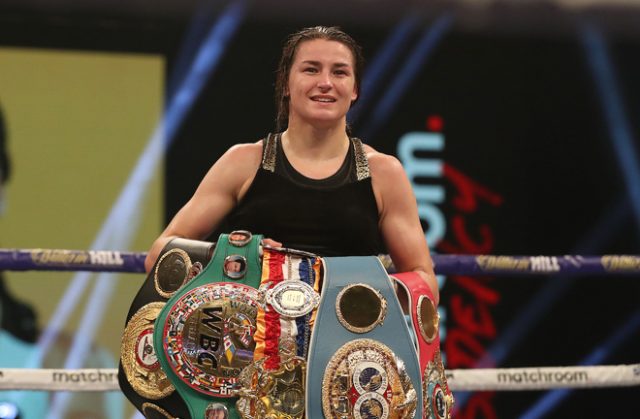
point(330, 33)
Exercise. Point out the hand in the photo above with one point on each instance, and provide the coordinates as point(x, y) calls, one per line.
point(271, 243)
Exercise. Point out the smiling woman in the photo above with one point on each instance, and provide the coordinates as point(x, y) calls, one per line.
point(295, 46)
point(311, 186)
point(321, 84)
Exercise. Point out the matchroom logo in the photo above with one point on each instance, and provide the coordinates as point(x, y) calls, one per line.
point(538, 377)
point(96, 376)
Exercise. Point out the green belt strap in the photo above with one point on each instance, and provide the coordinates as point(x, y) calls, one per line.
point(213, 273)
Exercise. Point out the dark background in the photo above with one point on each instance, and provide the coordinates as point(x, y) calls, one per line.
point(522, 117)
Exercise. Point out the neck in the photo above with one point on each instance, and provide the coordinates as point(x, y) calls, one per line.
point(320, 142)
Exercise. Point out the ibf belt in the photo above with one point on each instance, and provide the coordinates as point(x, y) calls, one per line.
point(437, 398)
point(204, 334)
point(140, 376)
point(361, 359)
point(273, 385)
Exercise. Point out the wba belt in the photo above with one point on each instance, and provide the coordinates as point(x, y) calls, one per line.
point(140, 377)
point(204, 334)
point(362, 360)
point(437, 398)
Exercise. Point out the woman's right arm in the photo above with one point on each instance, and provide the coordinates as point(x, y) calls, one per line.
point(220, 190)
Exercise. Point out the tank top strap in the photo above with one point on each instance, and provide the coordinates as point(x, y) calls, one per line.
point(269, 152)
point(362, 163)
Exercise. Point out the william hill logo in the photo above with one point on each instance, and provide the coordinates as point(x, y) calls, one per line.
point(76, 257)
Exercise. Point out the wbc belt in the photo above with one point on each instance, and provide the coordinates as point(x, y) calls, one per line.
point(140, 377)
point(437, 398)
point(362, 362)
point(204, 333)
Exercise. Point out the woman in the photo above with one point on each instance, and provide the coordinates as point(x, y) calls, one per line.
point(312, 187)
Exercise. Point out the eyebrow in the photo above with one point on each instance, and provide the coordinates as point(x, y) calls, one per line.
point(318, 63)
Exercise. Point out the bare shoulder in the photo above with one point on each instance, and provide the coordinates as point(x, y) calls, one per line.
point(244, 154)
point(235, 168)
point(383, 166)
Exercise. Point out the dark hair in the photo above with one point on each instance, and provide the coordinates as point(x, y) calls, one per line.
point(331, 33)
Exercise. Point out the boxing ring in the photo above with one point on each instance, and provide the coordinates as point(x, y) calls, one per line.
point(480, 379)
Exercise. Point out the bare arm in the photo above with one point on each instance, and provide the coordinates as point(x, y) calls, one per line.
point(220, 190)
point(399, 222)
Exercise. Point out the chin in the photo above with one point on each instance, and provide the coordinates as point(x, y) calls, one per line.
point(322, 119)
point(327, 117)
point(326, 122)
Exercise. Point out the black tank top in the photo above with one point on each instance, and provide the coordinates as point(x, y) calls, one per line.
point(335, 216)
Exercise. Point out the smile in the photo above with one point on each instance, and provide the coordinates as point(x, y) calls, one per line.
point(323, 99)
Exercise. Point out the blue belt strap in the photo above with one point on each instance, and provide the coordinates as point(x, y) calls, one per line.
point(329, 335)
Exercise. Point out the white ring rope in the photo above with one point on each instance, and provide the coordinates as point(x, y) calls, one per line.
point(499, 379)
point(544, 378)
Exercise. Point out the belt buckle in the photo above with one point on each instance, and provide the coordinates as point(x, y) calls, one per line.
point(292, 299)
point(208, 337)
point(273, 394)
point(138, 357)
point(364, 379)
point(437, 399)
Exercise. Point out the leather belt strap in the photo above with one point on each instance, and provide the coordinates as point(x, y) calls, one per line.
point(203, 335)
point(329, 334)
point(437, 397)
point(139, 376)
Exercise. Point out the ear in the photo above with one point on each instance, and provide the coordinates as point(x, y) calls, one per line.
point(354, 94)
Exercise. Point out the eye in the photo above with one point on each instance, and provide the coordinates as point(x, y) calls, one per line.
point(310, 70)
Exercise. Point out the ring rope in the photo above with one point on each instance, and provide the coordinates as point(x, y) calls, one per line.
point(499, 379)
point(133, 262)
point(544, 378)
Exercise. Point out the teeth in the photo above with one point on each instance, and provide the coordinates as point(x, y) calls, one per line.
point(323, 100)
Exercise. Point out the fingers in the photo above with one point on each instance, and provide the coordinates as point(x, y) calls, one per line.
point(271, 242)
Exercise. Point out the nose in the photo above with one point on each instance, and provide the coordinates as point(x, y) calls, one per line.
point(324, 81)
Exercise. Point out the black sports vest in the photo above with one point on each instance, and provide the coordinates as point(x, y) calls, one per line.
point(336, 216)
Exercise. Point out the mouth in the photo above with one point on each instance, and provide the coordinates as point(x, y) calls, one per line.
point(323, 99)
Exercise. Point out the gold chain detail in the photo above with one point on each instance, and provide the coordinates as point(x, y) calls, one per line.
point(269, 153)
point(362, 164)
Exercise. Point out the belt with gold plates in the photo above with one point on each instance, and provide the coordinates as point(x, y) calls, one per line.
point(425, 321)
point(273, 385)
point(140, 377)
point(204, 334)
point(362, 361)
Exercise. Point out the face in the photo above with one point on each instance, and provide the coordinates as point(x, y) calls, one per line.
point(321, 83)
point(233, 266)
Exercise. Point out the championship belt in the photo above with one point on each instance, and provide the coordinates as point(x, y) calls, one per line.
point(437, 398)
point(362, 361)
point(273, 385)
point(204, 333)
point(140, 377)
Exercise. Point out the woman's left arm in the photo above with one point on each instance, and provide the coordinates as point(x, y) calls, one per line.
point(398, 219)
